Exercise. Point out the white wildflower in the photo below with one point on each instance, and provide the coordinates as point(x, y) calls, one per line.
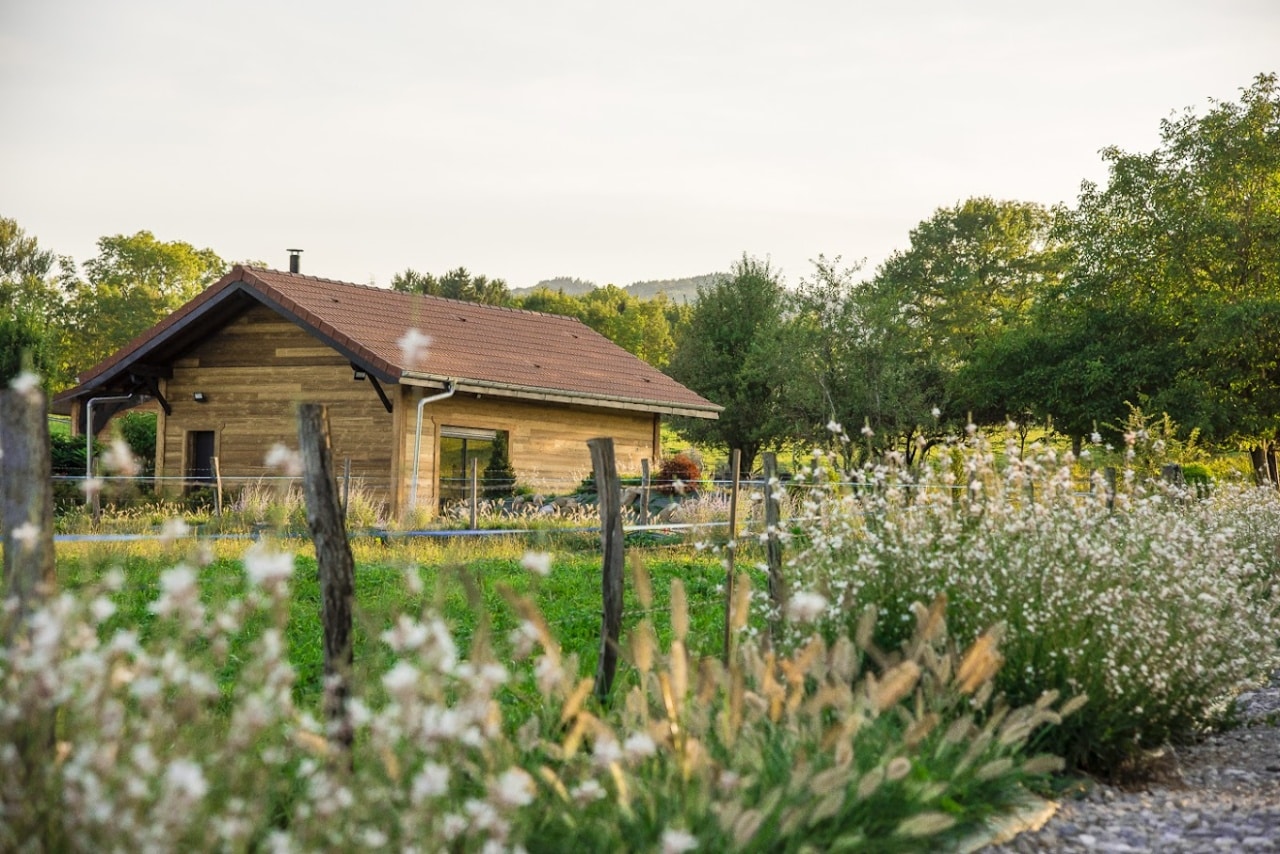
point(413, 346)
point(407, 634)
point(286, 460)
point(26, 534)
point(867, 431)
point(806, 606)
point(606, 751)
point(431, 782)
point(834, 426)
point(401, 679)
point(174, 529)
point(1095, 437)
point(177, 589)
point(25, 382)
point(587, 791)
point(537, 562)
point(515, 788)
point(120, 459)
point(639, 745)
point(677, 841)
point(102, 608)
point(185, 779)
point(265, 566)
point(937, 413)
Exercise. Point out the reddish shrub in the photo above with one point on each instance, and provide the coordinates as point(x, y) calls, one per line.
point(678, 474)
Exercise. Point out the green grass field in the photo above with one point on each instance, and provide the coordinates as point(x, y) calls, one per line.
point(463, 583)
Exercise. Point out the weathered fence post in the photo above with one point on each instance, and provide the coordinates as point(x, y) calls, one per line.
point(644, 491)
point(608, 491)
point(337, 567)
point(346, 485)
point(26, 518)
point(1109, 477)
point(1171, 473)
point(730, 549)
point(773, 542)
point(217, 488)
point(27, 506)
point(475, 495)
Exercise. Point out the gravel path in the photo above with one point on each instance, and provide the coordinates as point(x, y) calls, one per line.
point(1222, 795)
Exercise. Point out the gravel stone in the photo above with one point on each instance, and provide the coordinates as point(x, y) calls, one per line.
point(1220, 795)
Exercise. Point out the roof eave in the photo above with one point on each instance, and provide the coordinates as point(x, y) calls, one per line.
point(554, 395)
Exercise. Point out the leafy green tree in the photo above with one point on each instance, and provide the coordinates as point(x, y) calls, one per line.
point(730, 353)
point(643, 327)
point(32, 307)
point(133, 283)
point(455, 284)
point(1171, 293)
point(849, 363)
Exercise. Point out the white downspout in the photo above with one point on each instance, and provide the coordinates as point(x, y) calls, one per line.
point(88, 436)
point(449, 389)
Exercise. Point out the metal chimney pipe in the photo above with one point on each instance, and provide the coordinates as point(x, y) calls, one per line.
point(295, 260)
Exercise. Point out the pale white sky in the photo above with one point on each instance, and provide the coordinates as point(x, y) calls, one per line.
point(610, 141)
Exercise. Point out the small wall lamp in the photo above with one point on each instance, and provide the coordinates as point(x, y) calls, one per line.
point(199, 397)
point(358, 374)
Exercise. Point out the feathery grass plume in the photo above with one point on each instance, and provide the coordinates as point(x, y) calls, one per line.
point(980, 662)
point(679, 610)
point(643, 584)
point(926, 824)
point(889, 690)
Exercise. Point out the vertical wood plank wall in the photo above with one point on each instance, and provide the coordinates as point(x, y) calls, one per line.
point(253, 372)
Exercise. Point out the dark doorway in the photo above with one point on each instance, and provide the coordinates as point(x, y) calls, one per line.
point(200, 457)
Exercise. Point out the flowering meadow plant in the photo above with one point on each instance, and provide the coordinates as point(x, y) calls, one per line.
point(181, 731)
point(1156, 603)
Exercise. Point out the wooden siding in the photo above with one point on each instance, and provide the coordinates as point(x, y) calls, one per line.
point(254, 372)
point(547, 442)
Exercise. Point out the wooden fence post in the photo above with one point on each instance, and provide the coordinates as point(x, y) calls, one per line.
point(773, 542)
point(475, 494)
point(346, 485)
point(337, 567)
point(731, 548)
point(1109, 476)
point(217, 488)
point(608, 491)
point(26, 517)
point(26, 509)
point(644, 491)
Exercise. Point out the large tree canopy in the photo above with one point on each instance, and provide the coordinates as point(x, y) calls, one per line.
point(728, 353)
point(132, 283)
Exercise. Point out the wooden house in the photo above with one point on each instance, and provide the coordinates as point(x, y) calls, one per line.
point(417, 387)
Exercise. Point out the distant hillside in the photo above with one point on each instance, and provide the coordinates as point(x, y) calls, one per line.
point(677, 290)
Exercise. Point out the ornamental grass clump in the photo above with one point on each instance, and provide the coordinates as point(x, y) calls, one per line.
point(133, 736)
point(1157, 604)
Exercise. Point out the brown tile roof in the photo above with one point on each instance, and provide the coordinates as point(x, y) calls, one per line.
point(501, 350)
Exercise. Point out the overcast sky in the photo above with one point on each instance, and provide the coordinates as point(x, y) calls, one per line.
point(609, 141)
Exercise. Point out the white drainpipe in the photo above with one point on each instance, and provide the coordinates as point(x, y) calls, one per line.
point(449, 389)
point(88, 435)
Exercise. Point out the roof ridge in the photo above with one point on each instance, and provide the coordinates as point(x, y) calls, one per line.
point(410, 294)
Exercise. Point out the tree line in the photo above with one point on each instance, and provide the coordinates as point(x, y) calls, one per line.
point(1159, 289)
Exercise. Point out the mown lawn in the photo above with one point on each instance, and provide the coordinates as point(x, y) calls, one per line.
point(462, 582)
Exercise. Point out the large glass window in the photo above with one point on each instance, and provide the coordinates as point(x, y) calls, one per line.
point(458, 447)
